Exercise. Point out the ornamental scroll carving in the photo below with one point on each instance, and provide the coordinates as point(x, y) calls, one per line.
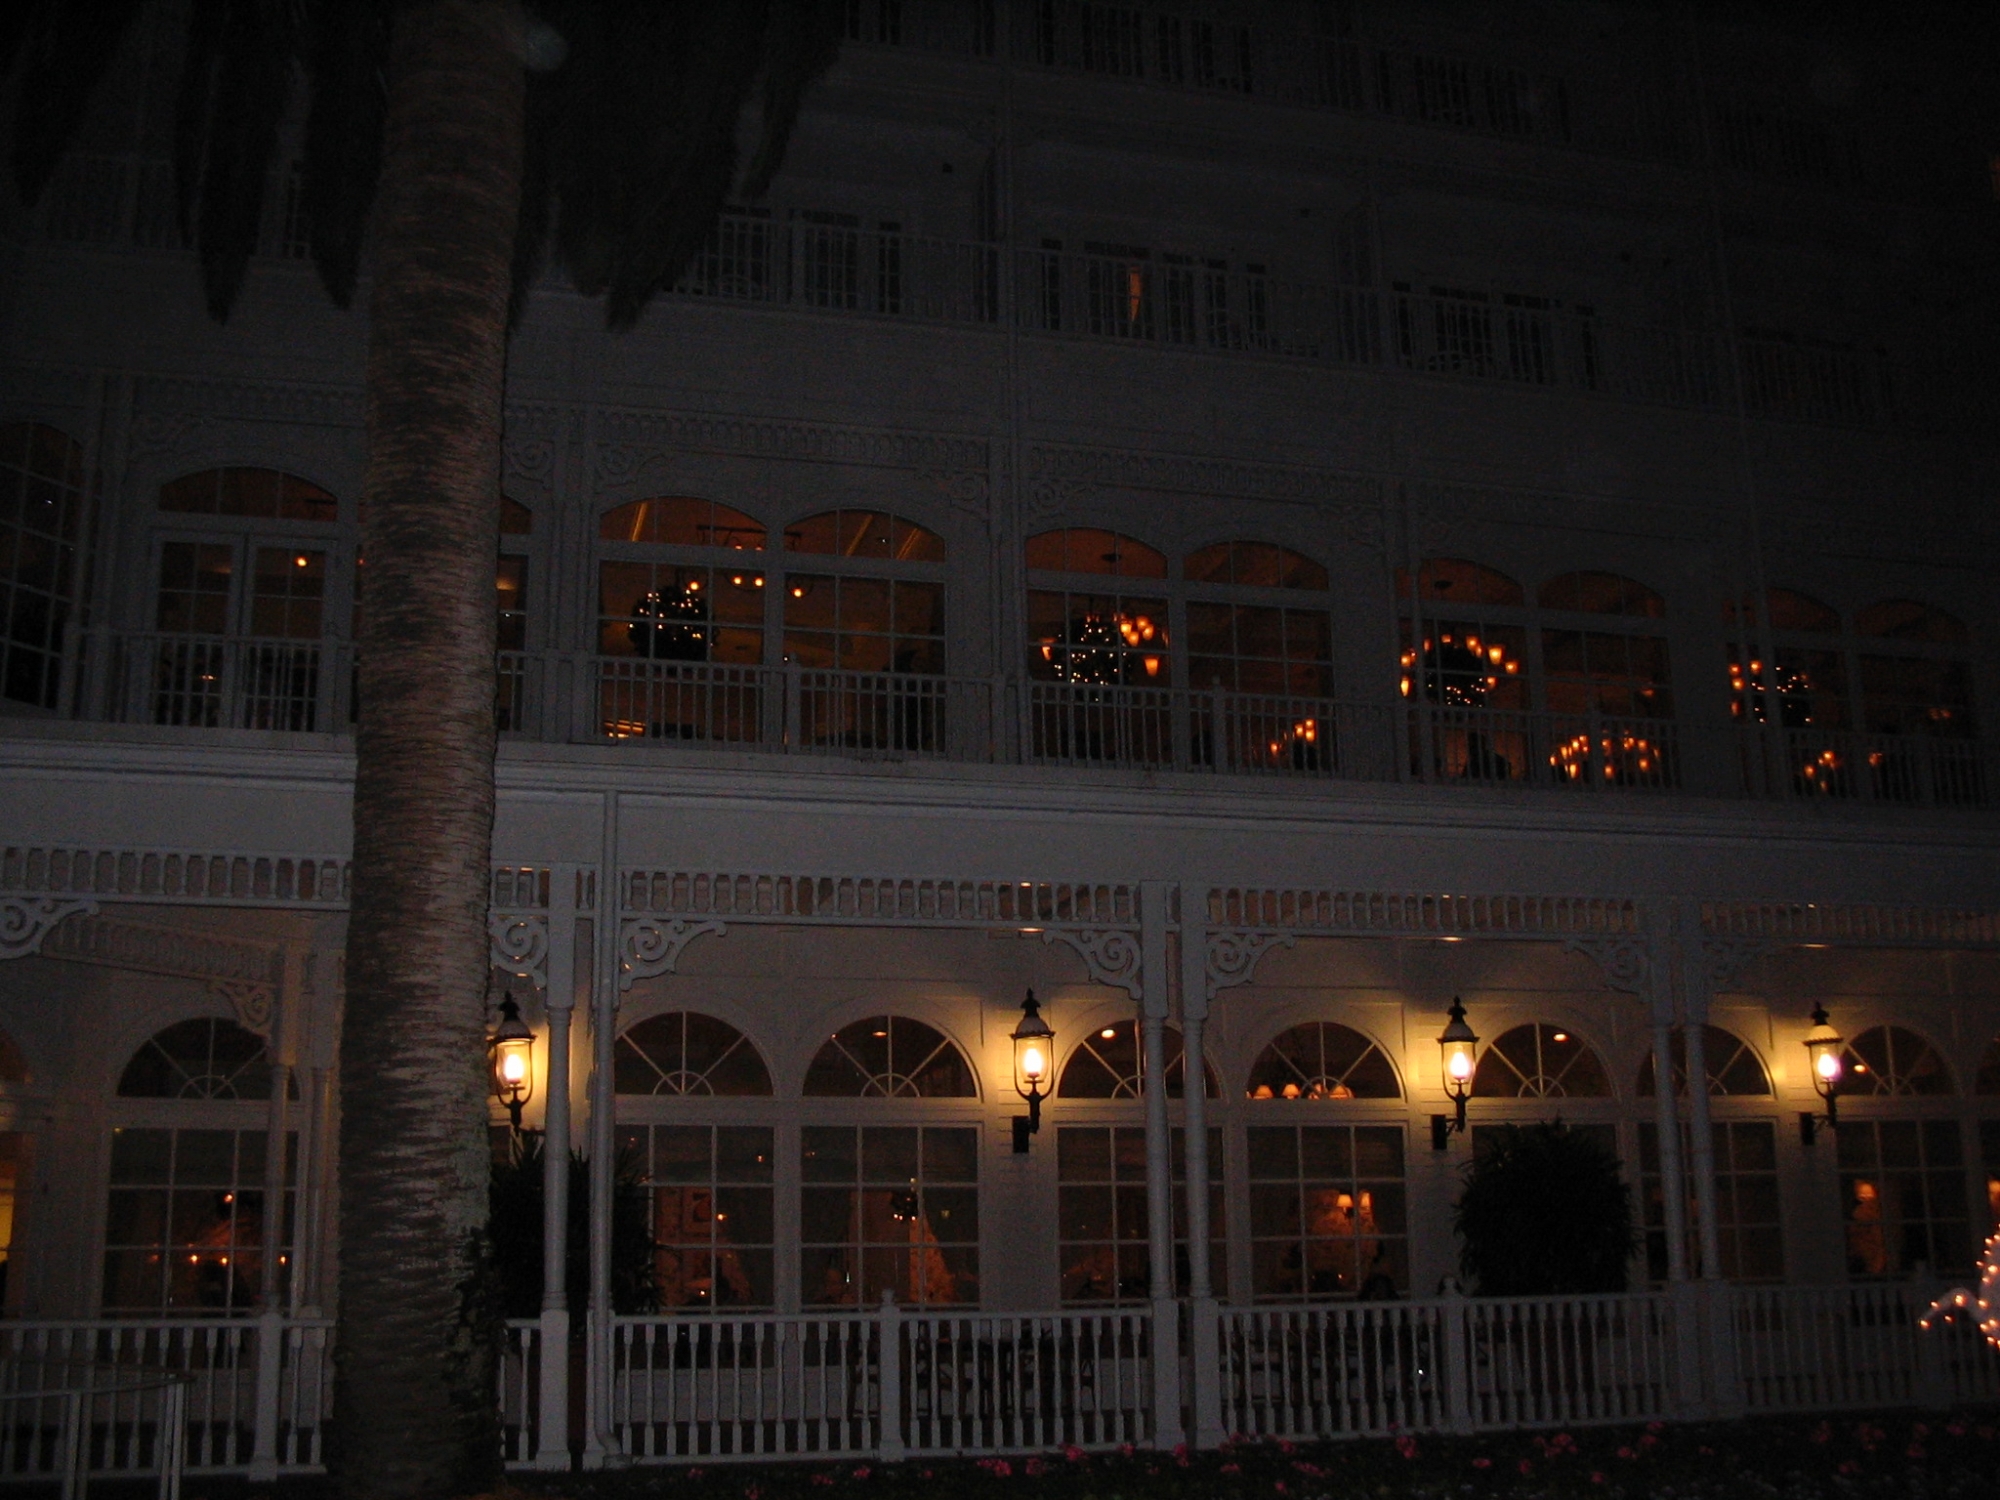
point(966, 489)
point(26, 920)
point(520, 946)
point(649, 946)
point(1625, 961)
point(1233, 955)
point(246, 974)
point(1111, 954)
point(1722, 959)
point(254, 1003)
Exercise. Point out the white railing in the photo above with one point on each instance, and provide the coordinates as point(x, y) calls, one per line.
point(746, 1387)
point(1589, 751)
point(1570, 1361)
point(1843, 765)
point(62, 1424)
point(299, 686)
point(1819, 1348)
point(1357, 1368)
point(993, 1382)
point(519, 1376)
point(254, 1393)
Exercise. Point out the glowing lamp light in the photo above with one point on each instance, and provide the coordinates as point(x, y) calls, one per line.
point(1034, 1056)
point(512, 1047)
point(1823, 1048)
point(1458, 1048)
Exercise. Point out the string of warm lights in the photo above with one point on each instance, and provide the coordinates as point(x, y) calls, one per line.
point(1961, 1302)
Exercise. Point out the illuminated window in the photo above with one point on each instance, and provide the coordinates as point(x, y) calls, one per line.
point(1328, 1215)
point(710, 1192)
point(1748, 1224)
point(184, 1225)
point(1322, 1060)
point(889, 1057)
point(681, 521)
point(1107, 1064)
point(1619, 673)
point(1101, 1216)
point(1095, 635)
point(866, 534)
point(1893, 1061)
point(41, 524)
point(1540, 1062)
point(1914, 679)
point(1239, 640)
point(1902, 1196)
point(686, 1053)
point(889, 1208)
point(206, 1058)
point(1732, 1067)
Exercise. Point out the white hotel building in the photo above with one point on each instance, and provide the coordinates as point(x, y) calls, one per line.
point(1252, 523)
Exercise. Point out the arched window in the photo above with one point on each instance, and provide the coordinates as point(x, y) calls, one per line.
point(1245, 634)
point(889, 1207)
point(41, 524)
point(685, 1052)
point(1601, 670)
point(1914, 676)
point(1892, 1061)
point(1540, 1061)
point(1902, 1181)
point(890, 1057)
point(1733, 1068)
point(879, 604)
point(246, 589)
point(1101, 1237)
point(703, 607)
point(1322, 1060)
point(1084, 631)
point(185, 1216)
point(1108, 1064)
point(207, 1058)
point(1464, 660)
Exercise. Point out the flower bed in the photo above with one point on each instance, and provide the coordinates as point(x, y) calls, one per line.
point(1931, 1457)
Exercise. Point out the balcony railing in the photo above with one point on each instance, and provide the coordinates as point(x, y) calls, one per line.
point(307, 687)
point(894, 1382)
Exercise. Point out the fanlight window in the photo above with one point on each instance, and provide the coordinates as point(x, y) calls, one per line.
point(1987, 1080)
point(1084, 549)
point(681, 521)
point(1453, 581)
point(1254, 565)
point(685, 1052)
point(1892, 1060)
point(864, 533)
point(1540, 1062)
point(1732, 1067)
point(1323, 1060)
point(1907, 620)
point(889, 1057)
point(1601, 594)
point(1109, 1063)
point(1800, 614)
point(262, 494)
point(206, 1058)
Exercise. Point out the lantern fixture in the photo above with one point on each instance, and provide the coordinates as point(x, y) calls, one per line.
point(1823, 1047)
point(1458, 1048)
point(1034, 1059)
point(512, 1047)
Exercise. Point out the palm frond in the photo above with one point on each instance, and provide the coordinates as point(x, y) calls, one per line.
point(63, 48)
point(256, 68)
point(347, 67)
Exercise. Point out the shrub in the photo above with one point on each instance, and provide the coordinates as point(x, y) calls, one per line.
point(1544, 1213)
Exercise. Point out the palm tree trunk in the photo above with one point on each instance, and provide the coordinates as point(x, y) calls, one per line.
point(414, 1408)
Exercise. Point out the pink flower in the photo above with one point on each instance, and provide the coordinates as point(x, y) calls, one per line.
point(1124, 1450)
point(1648, 1441)
point(863, 1472)
point(1280, 1487)
point(1526, 1467)
point(1956, 1429)
point(1286, 1448)
point(1705, 1451)
point(1073, 1454)
point(1848, 1466)
point(999, 1468)
point(694, 1473)
point(1311, 1471)
point(822, 1479)
point(1596, 1477)
point(1232, 1468)
point(1627, 1453)
point(1921, 1429)
point(1482, 1462)
point(1915, 1450)
point(751, 1492)
point(1407, 1446)
point(1656, 1428)
point(1034, 1468)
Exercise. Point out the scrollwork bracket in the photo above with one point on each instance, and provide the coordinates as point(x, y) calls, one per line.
point(650, 946)
point(1111, 954)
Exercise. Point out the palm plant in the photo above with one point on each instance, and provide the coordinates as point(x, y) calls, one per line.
point(452, 140)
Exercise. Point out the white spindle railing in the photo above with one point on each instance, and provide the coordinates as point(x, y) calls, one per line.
point(1570, 1361)
point(519, 1378)
point(1355, 1368)
point(1816, 1348)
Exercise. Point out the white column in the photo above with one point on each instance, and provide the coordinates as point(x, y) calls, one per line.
point(1155, 1002)
point(600, 1447)
point(559, 1000)
point(1725, 1390)
point(1204, 1348)
point(270, 1311)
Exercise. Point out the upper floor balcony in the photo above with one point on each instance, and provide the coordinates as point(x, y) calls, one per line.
point(306, 687)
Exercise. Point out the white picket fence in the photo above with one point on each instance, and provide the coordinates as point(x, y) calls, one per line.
point(132, 1398)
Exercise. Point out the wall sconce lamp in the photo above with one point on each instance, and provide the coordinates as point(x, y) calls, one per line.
point(1034, 1055)
point(1457, 1047)
point(1823, 1046)
point(512, 1046)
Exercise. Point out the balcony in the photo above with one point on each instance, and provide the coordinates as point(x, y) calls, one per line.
point(306, 687)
